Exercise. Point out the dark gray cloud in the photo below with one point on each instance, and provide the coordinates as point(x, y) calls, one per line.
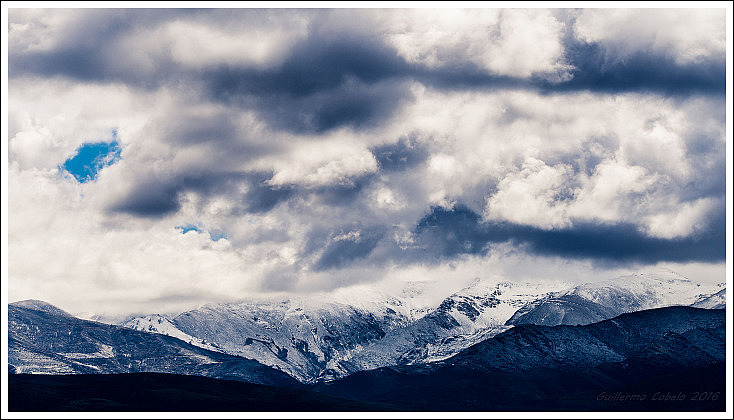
point(348, 246)
point(710, 177)
point(261, 197)
point(593, 69)
point(321, 62)
point(353, 103)
point(446, 233)
point(189, 128)
point(331, 79)
point(359, 83)
point(87, 49)
point(405, 154)
point(705, 152)
point(154, 197)
point(643, 71)
point(149, 198)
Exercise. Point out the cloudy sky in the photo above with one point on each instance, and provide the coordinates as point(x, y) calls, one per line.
point(159, 159)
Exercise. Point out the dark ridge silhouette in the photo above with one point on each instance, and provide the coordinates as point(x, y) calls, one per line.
point(163, 392)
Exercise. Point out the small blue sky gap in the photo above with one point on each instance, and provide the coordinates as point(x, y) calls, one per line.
point(90, 158)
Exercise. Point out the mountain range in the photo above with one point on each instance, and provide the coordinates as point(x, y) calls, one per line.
point(376, 347)
point(666, 351)
point(326, 337)
point(666, 359)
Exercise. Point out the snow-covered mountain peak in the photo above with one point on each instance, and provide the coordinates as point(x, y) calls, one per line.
point(490, 303)
point(715, 301)
point(662, 273)
point(40, 305)
point(599, 300)
point(643, 290)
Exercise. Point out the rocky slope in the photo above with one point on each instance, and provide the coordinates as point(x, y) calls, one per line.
point(670, 350)
point(715, 301)
point(45, 339)
point(324, 337)
point(468, 316)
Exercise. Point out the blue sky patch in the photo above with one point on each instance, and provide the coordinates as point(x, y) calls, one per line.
point(215, 235)
point(188, 228)
point(90, 158)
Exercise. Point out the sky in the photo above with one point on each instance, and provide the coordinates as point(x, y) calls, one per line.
point(160, 159)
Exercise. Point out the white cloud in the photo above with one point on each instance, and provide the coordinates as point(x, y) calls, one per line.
point(49, 131)
point(385, 198)
point(198, 45)
point(606, 196)
point(559, 158)
point(529, 196)
point(682, 219)
point(260, 38)
point(64, 250)
point(689, 35)
point(335, 160)
point(528, 43)
point(33, 30)
point(511, 42)
point(351, 236)
point(551, 197)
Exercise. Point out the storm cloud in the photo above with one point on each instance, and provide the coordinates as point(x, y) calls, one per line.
point(318, 148)
point(446, 233)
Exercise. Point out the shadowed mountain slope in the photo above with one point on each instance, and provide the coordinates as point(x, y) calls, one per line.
point(47, 341)
point(530, 367)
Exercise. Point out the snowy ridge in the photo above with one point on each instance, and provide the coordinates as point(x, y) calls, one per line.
point(160, 324)
point(715, 301)
point(472, 314)
point(644, 291)
point(600, 300)
point(39, 305)
point(302, 335)
point(298, 336)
